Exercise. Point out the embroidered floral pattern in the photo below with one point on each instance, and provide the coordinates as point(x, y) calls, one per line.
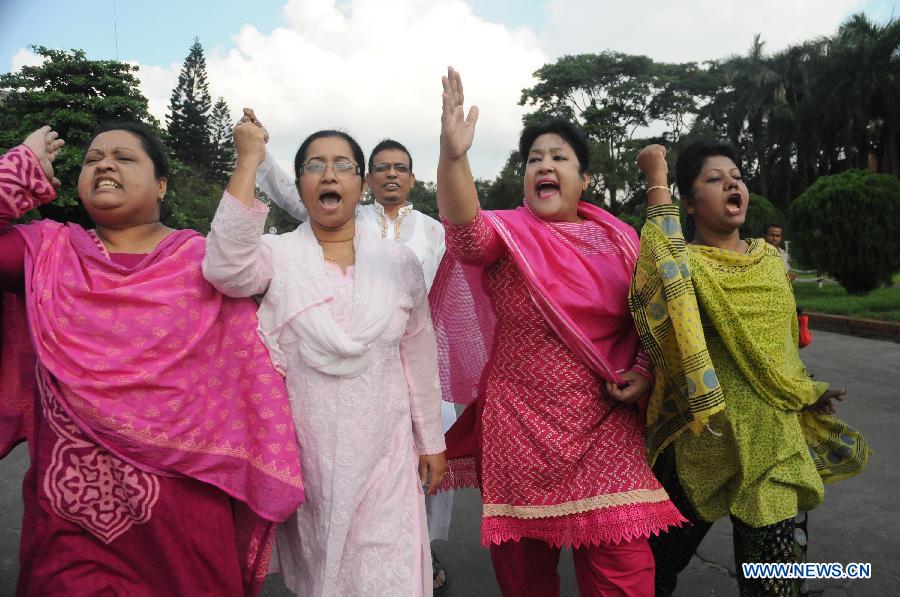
point(88, 485)
point(23, 184)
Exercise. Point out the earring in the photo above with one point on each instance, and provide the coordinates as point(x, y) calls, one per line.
point(161, 200)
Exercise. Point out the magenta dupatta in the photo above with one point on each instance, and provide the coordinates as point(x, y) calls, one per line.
point(568, 287)
point(159, 368)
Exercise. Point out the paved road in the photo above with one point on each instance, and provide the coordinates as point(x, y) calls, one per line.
point(857, 523)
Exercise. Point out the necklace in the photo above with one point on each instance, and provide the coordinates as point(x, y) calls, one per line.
point(326, 240)
point(338, 259)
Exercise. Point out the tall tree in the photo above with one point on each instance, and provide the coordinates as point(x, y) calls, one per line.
point(189, 111)
point(220, 126)
point(73, 95)
point(863, 80)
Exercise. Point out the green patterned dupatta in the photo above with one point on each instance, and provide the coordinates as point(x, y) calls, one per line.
point(748, 303)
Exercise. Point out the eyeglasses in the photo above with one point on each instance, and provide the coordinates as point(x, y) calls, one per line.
point(400, 168)
point(341, 167)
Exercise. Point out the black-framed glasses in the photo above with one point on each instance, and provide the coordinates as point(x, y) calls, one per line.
point(398, 167)
point(341, 167)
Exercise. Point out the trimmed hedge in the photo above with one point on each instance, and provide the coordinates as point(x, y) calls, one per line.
point(760, 213)
point(848, 225)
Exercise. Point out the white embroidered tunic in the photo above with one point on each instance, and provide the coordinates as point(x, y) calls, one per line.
point(362, 530)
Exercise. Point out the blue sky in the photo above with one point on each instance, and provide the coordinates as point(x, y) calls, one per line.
point(160, 31)
point(373, 67)
point(163, 33)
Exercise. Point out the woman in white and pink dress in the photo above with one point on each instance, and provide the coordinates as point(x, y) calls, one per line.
point(345, 317)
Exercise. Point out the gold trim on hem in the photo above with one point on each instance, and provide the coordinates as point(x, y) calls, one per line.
point(625, 498)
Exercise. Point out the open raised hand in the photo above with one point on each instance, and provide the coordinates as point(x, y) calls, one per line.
point(457, 129)
point(45, 143)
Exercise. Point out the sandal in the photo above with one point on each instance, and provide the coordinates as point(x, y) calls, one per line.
point(436, 569)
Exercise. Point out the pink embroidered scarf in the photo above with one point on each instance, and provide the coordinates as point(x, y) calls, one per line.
point(579, 296)
point(159, 368)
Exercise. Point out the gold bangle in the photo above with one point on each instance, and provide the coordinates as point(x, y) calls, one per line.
point(659, 186)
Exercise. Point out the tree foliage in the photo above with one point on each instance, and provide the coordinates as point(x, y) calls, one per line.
point(222, 142)
point(192, 197)
point(813, 109)
point(760, 213)
point(423, 196)
point(848, 225)
point(505, 191)
point(73, 95)
point(189, 111)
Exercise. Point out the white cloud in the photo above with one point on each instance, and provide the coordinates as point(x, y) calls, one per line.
point(157, 83)
point(372, 67)
point(24, 57)
point(687, 31)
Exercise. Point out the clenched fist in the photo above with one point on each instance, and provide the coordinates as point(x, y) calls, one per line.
point(652, 162)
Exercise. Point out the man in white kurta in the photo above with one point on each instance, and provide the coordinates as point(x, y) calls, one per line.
point(392, 217)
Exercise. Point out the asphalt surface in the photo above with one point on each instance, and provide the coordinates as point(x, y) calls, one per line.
point(858, 522)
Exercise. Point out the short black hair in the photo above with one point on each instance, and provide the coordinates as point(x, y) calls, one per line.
point(150, 141)
point(570, 133)
point(772, 225)
point(388, 144)
point(358, 155)
point(690, 161)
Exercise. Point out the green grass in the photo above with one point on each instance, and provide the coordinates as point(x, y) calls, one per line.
point(883, 303)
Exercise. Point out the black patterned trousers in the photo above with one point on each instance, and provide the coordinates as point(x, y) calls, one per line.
point(784, 541)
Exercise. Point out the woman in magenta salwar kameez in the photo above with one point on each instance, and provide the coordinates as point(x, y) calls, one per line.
point(534, 330)
point(161, 444)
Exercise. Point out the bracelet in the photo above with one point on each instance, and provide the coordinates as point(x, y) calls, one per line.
point(659, 187)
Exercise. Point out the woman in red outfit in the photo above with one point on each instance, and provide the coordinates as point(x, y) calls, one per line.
point(161, 444)
point(533, 325)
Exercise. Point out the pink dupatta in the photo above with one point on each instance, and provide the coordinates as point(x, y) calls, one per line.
point(570, 290)
point(159, 368)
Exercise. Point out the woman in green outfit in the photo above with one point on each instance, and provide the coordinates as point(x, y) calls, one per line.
point(718, 317)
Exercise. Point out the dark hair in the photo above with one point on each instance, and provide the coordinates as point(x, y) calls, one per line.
point(570, 133)
point(388, 144)
point(153, 147)
point(772, 225)
point(358, 155)
point(690, 161)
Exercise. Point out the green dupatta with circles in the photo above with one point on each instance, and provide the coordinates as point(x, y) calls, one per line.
point(681, 296)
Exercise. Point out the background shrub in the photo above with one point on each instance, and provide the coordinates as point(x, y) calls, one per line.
point(848, 225)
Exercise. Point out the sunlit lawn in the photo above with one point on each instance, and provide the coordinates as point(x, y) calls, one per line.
point(883, 303)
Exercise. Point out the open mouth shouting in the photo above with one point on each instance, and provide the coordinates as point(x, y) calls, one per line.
point(330, 201)
point(547, 188)
point(734, 204)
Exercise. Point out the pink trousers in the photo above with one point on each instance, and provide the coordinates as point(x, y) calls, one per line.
point(527, 568)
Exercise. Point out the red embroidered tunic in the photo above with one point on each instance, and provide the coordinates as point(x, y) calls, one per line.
point(560, 460)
